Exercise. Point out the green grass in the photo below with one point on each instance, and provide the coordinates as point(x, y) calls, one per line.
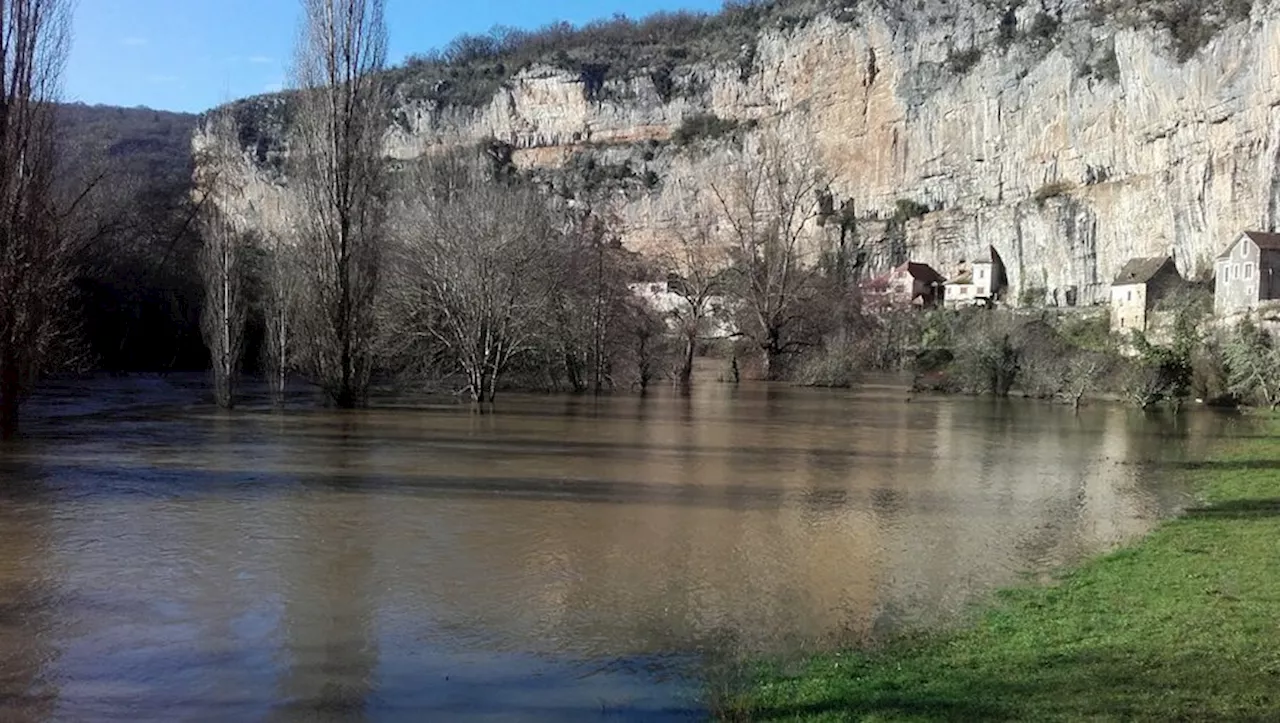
point(1184, 625)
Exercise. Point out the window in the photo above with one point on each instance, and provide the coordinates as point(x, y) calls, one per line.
point(1122, 322)
point(1248, 271)
point(1128, 297)
point(982, 273)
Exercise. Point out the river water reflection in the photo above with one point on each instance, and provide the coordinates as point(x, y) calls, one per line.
point(563, 558)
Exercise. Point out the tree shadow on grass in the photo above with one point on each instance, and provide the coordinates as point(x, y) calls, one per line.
point(887, 707)
point(1097, 683)
point(1237, 509)
point(1229, 465)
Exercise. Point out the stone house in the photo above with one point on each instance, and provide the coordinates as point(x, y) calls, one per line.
point(1141, 283)
point(1245, 273)
point(910, 284)
point(983, 283)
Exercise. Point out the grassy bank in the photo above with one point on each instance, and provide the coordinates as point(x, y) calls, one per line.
point(1184, 625)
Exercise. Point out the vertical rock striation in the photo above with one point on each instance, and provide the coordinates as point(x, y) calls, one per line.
point(1067, 138)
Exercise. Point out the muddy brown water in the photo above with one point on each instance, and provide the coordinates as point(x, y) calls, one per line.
point(563, 558)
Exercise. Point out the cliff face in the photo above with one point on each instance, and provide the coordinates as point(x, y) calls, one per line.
point(1068, 139)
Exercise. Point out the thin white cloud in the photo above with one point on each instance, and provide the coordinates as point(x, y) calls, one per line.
point(134, 41)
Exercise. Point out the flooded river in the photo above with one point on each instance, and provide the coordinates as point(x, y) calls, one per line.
point(560, 559)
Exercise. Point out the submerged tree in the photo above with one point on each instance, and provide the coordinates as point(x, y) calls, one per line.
point(222, 266)
point(766, 206)
point(474, 270)
point(222, 321)
point(340, 174)
point(36, 252)
point(699, 259)
point(280, 281)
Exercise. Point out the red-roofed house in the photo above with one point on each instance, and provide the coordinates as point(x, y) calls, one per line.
point(1247, 273)
point(911, 284)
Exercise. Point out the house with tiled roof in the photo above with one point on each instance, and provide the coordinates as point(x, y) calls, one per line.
point(911, 284)
point(1245, 274)
point(1136, 290)
point(981, 284)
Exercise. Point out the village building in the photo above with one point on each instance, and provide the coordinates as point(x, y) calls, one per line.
point(982, 284)
point(1141, 283)
point(663, 297)
point(1245, 273)
point(909, 285)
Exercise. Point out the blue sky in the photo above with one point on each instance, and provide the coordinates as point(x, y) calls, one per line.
point(190, 55)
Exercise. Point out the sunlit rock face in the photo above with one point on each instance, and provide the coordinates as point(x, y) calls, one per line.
point(1069, 139)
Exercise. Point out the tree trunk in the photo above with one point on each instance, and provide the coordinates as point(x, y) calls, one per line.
point(475, 383)
point(279, 358)
point(686, 370)
point(772, 354)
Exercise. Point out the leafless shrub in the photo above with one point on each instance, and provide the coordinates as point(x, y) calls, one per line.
point(474, 269)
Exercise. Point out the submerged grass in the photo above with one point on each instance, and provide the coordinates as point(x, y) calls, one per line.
point(1184, 625)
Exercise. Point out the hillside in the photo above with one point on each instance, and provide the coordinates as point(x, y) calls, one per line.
point(1069, 134)
point(134, 143)
point(138, 289)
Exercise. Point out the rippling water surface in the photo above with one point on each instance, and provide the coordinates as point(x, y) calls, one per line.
point(560, 559)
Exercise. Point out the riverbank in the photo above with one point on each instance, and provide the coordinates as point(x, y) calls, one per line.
point(1184, 625)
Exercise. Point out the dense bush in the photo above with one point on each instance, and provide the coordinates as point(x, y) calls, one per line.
point(1252, 362)
point(962, 61)
point(1033, 296)
point(1107, 67)
point(1190, 24)
point(906, 209)
point(1050, 190)
point(839, 364)
point(706, 126)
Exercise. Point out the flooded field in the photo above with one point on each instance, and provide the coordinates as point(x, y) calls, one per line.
point(564, 558)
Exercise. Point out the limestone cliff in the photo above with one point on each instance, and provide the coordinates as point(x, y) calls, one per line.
point(1070, 135)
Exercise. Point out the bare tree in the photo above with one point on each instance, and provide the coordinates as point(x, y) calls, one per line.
point(341, 176)
point(35, 253)
point(222, 269)
point(222, 321)
point(766, 206)
point(280, 281)
point(699, 261)
point(1085, 372)
point(474, 271)
point(594, 300)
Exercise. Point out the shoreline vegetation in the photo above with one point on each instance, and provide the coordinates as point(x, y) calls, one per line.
point(1180, 625)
